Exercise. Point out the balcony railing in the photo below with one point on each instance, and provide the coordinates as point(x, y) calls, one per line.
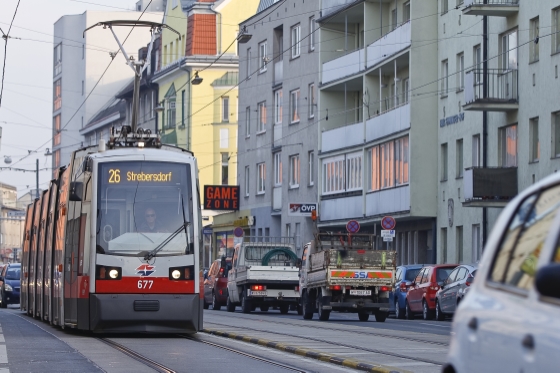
point(496, 8)
point(502, 90)
point(347, 65)
point(278, 72)
point(397, 40)
point(342, 137)
point(389, 122)
point(489, 187)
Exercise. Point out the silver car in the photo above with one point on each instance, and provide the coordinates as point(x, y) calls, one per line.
point(454, 289)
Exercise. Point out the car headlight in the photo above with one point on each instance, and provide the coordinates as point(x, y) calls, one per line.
point(8, 287)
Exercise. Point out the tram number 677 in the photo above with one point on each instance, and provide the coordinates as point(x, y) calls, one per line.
point(145, 284)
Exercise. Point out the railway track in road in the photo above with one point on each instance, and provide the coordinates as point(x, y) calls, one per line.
point(339, 344)
point(138, 357)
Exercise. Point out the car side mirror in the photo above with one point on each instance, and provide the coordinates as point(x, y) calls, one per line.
point(547, 281)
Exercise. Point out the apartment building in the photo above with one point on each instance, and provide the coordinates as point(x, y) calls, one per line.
point(79, 63)
point(12, 222)
point(278, 119)
point(377, 138)
point(499, 121)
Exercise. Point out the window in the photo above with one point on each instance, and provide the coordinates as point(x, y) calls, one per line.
point(171, 52)
point(477, 62)
point(443, 254)
point(444, 6)
point(312, 33)
point(387, 164)
point(262, 56)
point(225, 168)
point(443, 162)
point(57, 62)
point(476, 151)
point(514, 264)
point(294, 109)
point(277, 169)
point(248, 122)
point(225, 109)
point(261, 178)
point(57, 94)
point(459, 158)
point(401, 161)
point(224, 138)
point(534, 44)
point(460, 71)
point(83, 88)
point(171, 119)
point(535, 146)
point(57, 158)
point(555, 30)
point(247, 181)
point(57, 129)
point(476, 246)
point(333, 175)
point(394, 19)
point(507, 146)
point(311, 100)
point(406, 12)
point(294, 171)
point(444, 77)
point(508, 55)
point(354, 171)
point(249, 63)
point(373, 157)
point(262, 117)
point(459, 243)
point(295, 40)
point(311, 162)
point(556, 134)
point(406, 90)
point(278, 98)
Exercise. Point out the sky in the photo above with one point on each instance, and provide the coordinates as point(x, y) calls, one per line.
point(26, 107)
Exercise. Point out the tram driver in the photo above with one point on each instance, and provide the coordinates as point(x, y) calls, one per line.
point(151, 224)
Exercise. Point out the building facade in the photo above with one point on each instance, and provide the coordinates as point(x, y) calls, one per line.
point(279, 115)
point(499, 120)
point(12, 223)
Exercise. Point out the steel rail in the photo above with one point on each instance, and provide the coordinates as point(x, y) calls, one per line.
point(138, 357)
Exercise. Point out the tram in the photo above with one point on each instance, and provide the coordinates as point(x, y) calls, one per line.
point(114, 244)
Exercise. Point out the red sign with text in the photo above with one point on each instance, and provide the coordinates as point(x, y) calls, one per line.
point(221, 197)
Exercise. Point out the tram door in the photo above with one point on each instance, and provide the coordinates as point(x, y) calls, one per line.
point(71, 265)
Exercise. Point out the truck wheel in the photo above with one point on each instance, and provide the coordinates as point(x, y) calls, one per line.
point(264, 308)
point(323, 314)
point(363, 316)
point(306, 306)
point(284, 308)
point(245, 304)
point(230, 307)
point(381, 316)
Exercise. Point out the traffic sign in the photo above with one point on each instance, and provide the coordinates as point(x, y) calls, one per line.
point(388, 222)
point(238, 232)
point(387, 239)
point(388, 233)
point(353, 226)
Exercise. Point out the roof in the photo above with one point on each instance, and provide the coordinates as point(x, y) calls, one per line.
point(116, 108)
point(265, 4)
point(231, 78)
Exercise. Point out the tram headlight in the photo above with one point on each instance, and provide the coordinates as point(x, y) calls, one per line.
point(176, 274)
point(108, 273)
point(181, 273)
point(113, 273)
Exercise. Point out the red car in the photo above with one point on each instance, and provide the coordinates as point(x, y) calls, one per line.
point(215, 284)
point(421, 297)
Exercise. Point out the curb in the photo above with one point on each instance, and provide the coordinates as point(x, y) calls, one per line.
point(301, 351)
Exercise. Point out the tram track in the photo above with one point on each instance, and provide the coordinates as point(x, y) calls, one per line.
point(137, 356)
point(338, 344)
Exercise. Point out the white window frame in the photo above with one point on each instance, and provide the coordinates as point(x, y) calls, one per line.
point(533, 34)
point(534, 140)
point(294, 106)
point(555, 40)
point(278, 108)
point(248, 121)
point(333, 175)
point(295, 39)
point(57, 60)
point(261, 178)
point(444, 77)
point(460, 71)
point(247, 181)
point(459, 158)
point(476, 150)
point(477, 63)
point(354, 171)
point(311, 100)
point(262, 117)
point(262, 57)
point(225, 109)
point(278, 169)
point(505, 134)
point(507, 50)
point(224, 138)
point(312, 33)
point(311, 165)
point(294, 171)
point(248, 63)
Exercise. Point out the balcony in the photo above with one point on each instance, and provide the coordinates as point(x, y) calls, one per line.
point(492, 8)
point(394, 42)
point(502, 91)
point(277, 140)
point(278, 72)
point(489, 187)
point(388, 201)
point(277, 198)
point(344, 66)
point(389, 122)
point(342, 137)
point(342, 208)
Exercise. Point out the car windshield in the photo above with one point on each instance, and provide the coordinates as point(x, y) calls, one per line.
point(140, 206)
point(411, 274)
point(13, 274)
point(443, 273)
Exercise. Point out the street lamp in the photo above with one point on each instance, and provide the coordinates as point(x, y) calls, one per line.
point(197, 79)
point(244, 36)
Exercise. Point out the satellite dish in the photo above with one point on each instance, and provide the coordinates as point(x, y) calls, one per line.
point(7, 159)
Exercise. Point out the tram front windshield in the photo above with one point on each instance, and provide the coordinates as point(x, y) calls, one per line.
point(144, 206)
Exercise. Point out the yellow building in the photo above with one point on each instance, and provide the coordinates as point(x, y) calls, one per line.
point(202, 117)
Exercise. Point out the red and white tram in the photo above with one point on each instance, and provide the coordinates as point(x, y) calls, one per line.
point(114, 244)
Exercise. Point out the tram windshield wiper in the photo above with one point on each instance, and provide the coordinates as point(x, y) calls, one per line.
point(158, 248)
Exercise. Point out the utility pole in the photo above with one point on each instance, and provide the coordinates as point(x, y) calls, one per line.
point(37, 178)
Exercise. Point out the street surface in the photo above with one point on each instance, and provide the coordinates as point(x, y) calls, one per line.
point(29, 345)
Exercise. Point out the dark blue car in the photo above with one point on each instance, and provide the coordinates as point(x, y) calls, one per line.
point(10, 278)
point(403, 279)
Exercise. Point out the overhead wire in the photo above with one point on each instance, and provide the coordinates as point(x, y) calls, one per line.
point(6, 36)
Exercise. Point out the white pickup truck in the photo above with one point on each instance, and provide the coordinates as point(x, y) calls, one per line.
point(264, 273)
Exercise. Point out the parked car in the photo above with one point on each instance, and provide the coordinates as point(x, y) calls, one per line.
point(10, 278)
point(454, 289)
point(403, 280)
point(215, 284)
point(509, 321)
point(421, 297)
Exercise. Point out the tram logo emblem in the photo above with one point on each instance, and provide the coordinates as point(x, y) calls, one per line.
point(145, 270)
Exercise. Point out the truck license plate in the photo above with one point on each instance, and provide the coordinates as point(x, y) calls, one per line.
point(360, 292)
point(258, 293)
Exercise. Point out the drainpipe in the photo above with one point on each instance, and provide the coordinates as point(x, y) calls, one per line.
point(485, 117)
point(187, 122)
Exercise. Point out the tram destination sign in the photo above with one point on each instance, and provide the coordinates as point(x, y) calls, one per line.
point(221, 197)
point(155, 173)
